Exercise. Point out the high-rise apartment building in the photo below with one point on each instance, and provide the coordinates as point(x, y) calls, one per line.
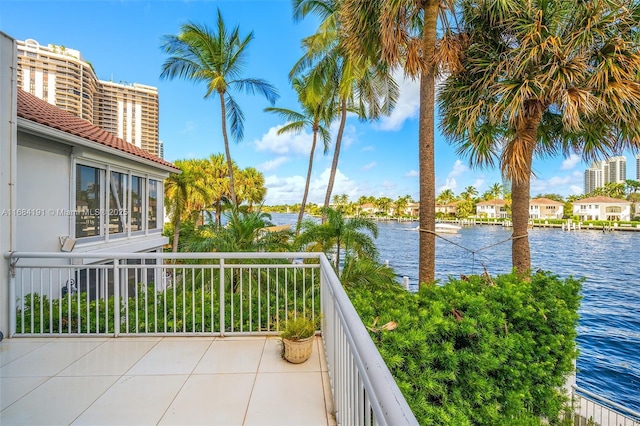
point(62, 77)
point(613, 169)
point(637, 166)
point(617, 169)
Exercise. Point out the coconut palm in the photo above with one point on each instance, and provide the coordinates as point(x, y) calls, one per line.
point(363, 86)
point(543, 78)
point(317, 113)
point(404, 33)
point(353, 235)
point(217, 58)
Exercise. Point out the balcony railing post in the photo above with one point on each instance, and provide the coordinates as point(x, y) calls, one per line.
point(12, 298)
point(221, 301)
point(116, 297)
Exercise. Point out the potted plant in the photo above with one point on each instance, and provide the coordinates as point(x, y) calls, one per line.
point(297, 338)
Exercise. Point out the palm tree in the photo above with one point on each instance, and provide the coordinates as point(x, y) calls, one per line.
point(251, 187)
point(446, 196)
point(362, 86)
point(383, 203)
point(543, 78)
point(404, 33)
point(632, 186)
point(317, 113)
point(179, 190)
point(353, 235)
point(217, 58)
point(217, 182)
point(496, 190)
point(401, 205)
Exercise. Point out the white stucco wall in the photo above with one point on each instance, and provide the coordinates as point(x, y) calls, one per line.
point(42, 194)
point(8, 87)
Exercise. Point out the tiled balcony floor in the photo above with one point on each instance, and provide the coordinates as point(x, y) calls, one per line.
point(160, 380)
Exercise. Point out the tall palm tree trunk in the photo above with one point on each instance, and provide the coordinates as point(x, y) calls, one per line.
point(227, 151)
point(336, 155)
point(426, 151)
point(306, 186)
point(521, 191)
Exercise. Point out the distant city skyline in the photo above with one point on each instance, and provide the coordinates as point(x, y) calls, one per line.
point(613, 169)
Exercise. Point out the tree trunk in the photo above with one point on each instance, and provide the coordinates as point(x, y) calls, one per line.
point(519, 158)
point(176, 236)
point(227, 151)
point(306, 186)
point(426, 151)
point(336, 155)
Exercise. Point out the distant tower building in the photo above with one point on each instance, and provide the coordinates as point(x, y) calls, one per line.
point(160, 149)
point(617, 169)
point(613, 169)
point(62, 77)
point(638, 167)
point(594, 176)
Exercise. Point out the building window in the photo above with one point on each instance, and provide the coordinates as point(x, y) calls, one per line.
point(153, 204)
point(117, 203)
point(88, 201)
point(137, 203)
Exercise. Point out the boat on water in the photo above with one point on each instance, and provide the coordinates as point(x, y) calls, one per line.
point(445, 228)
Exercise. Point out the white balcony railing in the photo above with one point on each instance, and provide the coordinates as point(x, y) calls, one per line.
point(591, 409)
point(54, 294)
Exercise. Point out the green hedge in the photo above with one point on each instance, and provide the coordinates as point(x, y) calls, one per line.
point(479, 351)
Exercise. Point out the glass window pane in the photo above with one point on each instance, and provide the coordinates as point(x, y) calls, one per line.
point(88, 202)
point(137, 202)
point(153, 204)
point(117, 203)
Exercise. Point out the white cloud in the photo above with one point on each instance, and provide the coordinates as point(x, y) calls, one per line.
point(289, 190)
point(368, 148)
point(288, 143)
point(477, 184)
point(412, 173)
point(408, 104)
point(270, 165)
point(576, 190)
point(458, 169)
point(369, 166)
point(570, 163)
point(450, 183)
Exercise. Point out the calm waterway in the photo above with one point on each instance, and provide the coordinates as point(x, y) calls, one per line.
point(609, 329)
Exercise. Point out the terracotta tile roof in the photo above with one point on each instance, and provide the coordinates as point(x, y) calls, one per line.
point(35, 109)
point(543, 200)
point(601, 200)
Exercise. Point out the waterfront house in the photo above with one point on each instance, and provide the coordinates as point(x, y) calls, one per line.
point(413, 209)
point(449, 209)
point(69, 186)
point(492, 209)
point(602, 208)
point(545, 208)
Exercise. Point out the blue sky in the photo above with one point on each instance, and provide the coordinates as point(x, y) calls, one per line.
point(122, 40)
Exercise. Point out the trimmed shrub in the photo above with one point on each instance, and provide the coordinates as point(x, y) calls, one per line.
point(479, 351)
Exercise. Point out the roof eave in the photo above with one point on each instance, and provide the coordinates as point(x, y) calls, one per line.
point(38, 129)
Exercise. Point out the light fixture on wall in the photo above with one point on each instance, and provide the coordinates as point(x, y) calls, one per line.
point(67, 243)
